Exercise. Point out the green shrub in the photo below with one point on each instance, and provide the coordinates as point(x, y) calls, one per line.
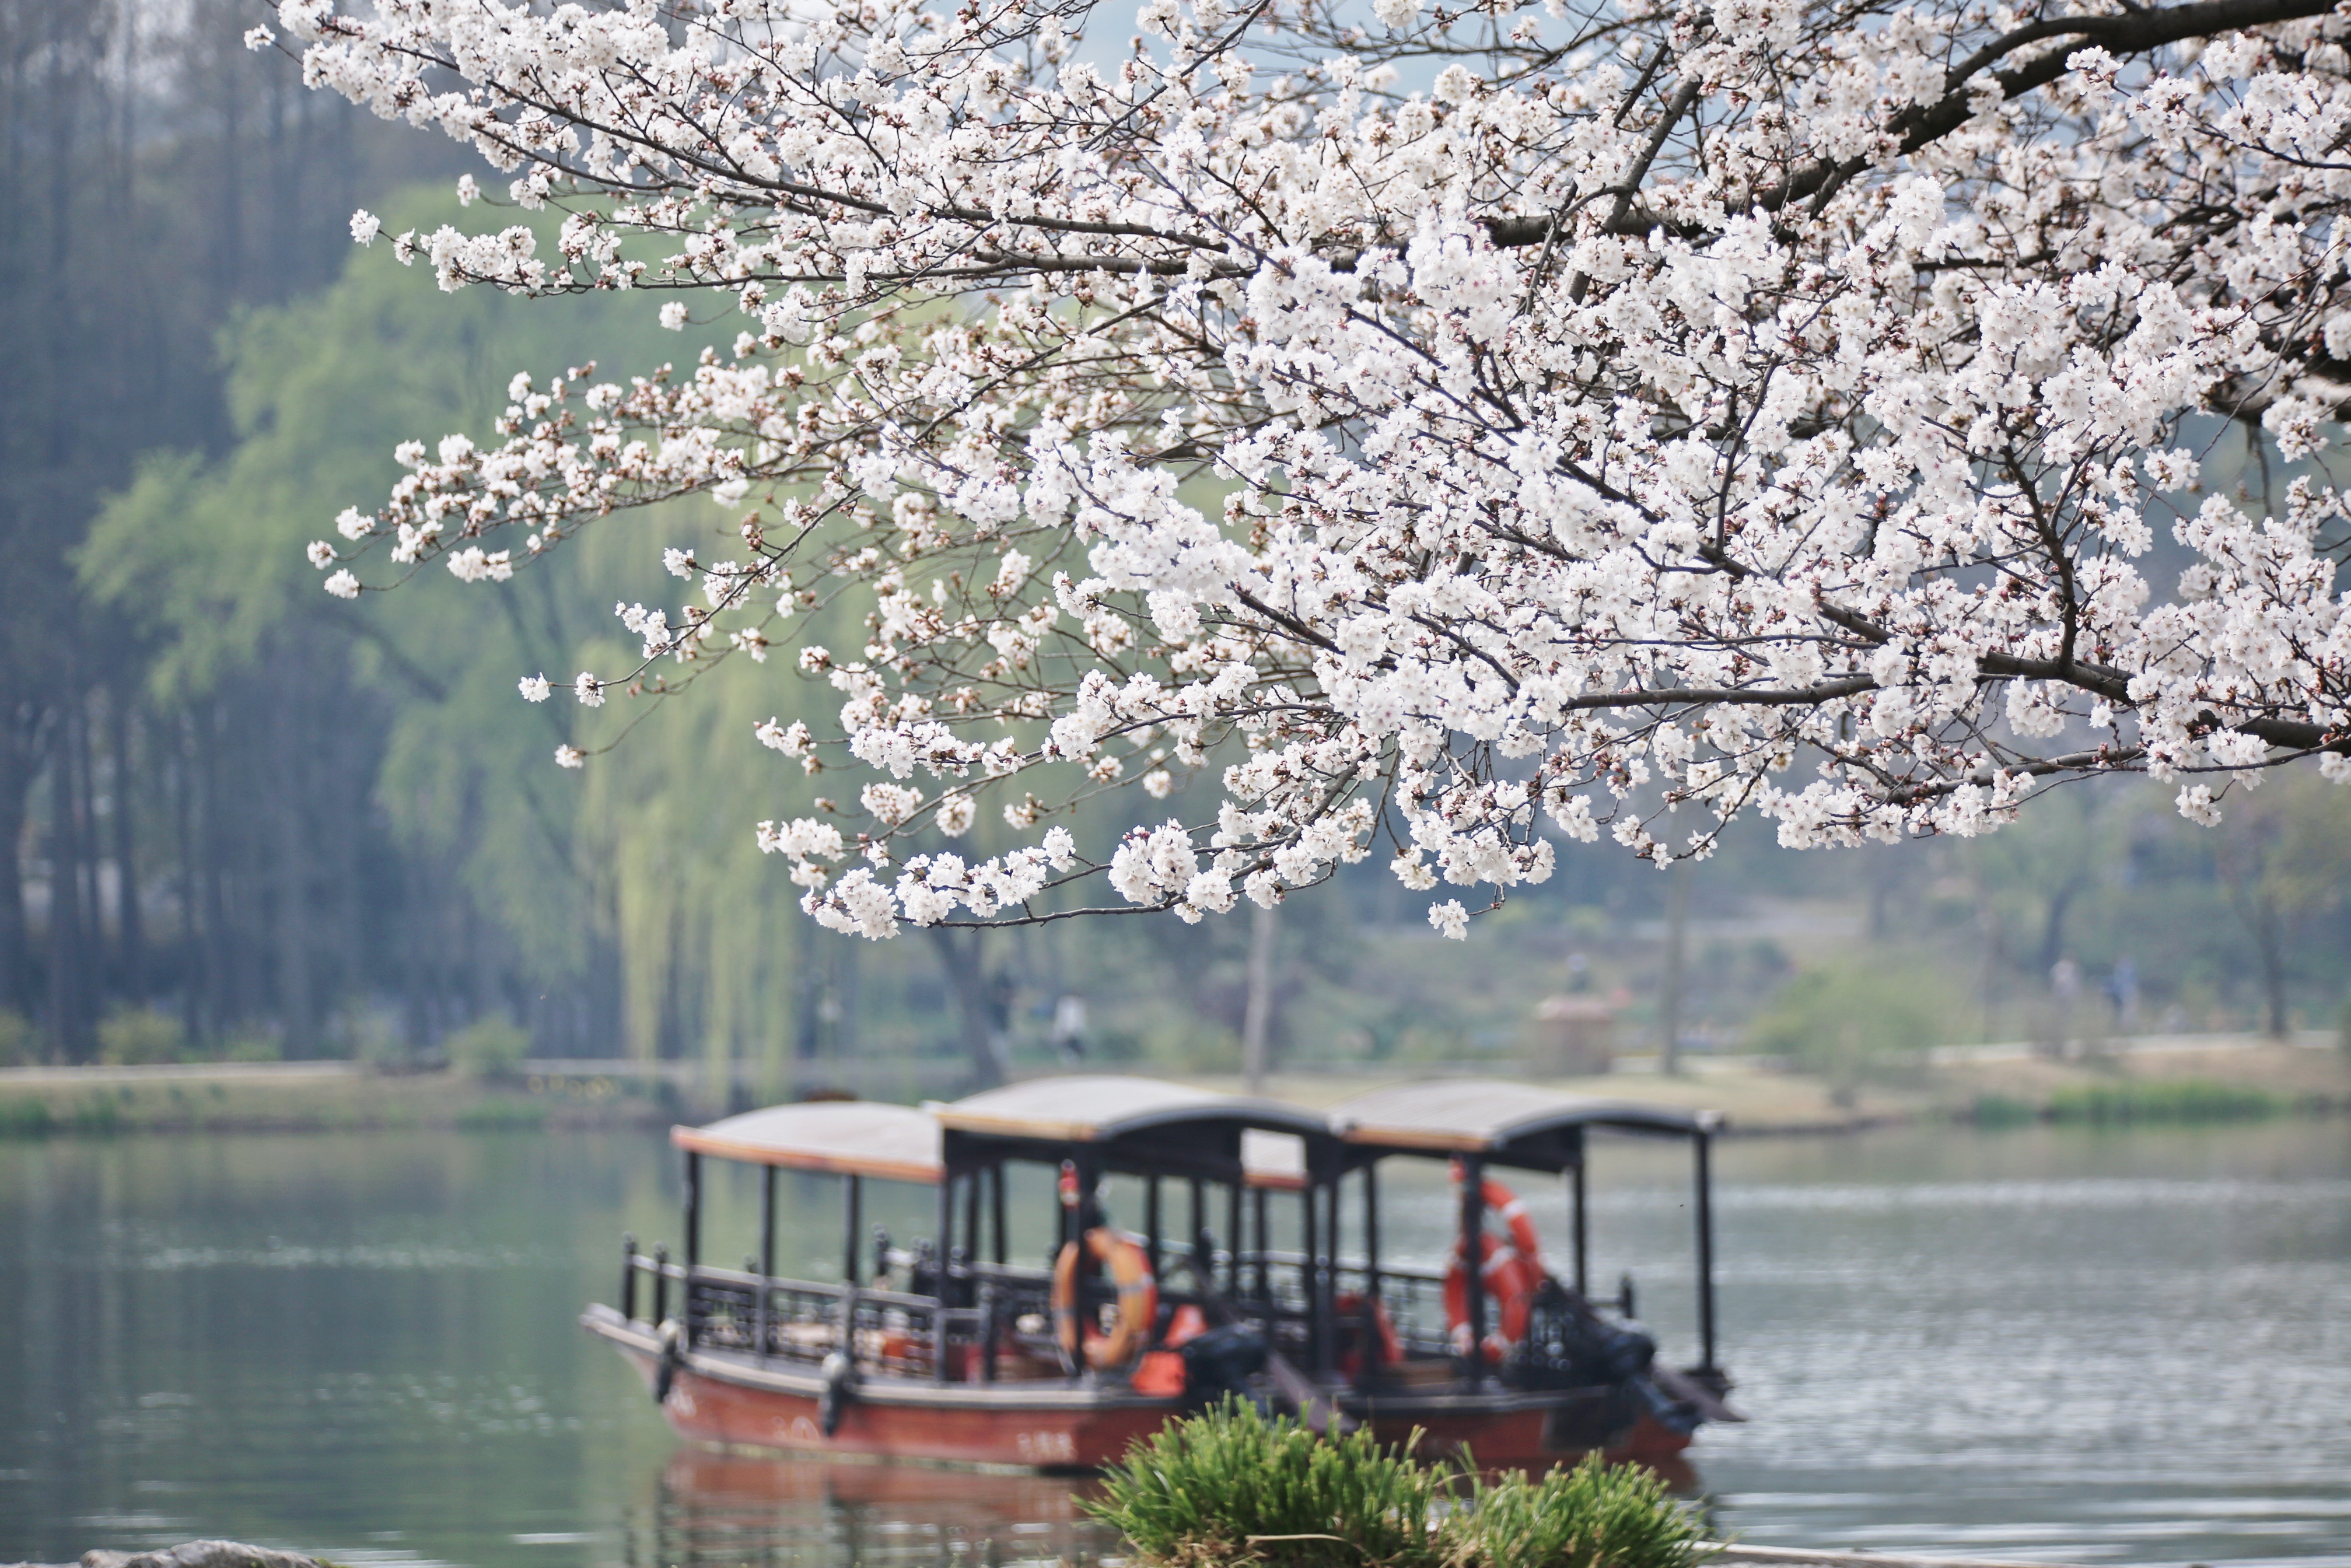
point(20, 1043)
point(254, 1048)
point(2000, 1110)
point(137, 1037)
point(25, 1118)
point(488, 1049)
point(502, 1115)
point(1233, 1486)
point(1854, 1019)
point(2172, 1099)
point(1595, 1515)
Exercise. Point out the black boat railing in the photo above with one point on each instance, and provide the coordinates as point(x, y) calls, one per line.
point(801, 1321)
point(996, 1314)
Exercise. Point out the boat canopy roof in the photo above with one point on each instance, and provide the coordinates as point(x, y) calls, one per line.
point(1142, 1125)
point(1275, 1160)
point(850, 1137)
point(1512, 1123)
point(1090, 1108)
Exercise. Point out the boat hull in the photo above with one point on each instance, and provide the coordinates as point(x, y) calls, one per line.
point(729, 1400)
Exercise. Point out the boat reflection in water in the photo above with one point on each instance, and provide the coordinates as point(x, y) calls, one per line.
point(733, 1509)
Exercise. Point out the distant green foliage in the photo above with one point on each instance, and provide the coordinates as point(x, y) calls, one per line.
point(1856, 1018)
point(489, 1049)
point(2000, 1110)
point(502, 1116)
point(1234, 1486)
point(138, 1036)
point(20, 1044)
point(2173, 1100)
point(252, 1047)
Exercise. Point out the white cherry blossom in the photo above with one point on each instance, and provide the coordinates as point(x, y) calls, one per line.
point(1458, 427)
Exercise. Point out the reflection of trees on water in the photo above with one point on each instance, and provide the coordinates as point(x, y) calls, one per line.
point(721, 1508)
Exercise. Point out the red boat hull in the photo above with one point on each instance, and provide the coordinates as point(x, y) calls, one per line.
point(1068, 1427)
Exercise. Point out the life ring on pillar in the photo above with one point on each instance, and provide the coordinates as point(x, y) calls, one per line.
point(1511, 1271)
point(1138, 1301)
point(1511, 1282)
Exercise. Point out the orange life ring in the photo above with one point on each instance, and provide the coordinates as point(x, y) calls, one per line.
point(1511, 1271)
point(1138, 1301)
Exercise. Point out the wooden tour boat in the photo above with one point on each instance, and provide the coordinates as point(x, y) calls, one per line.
point(951, 1350)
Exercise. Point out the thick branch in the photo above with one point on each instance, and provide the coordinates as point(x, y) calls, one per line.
point(2126, 33)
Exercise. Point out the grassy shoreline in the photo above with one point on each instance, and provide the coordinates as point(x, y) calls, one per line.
point(327, 1098)
point(2149, 1084)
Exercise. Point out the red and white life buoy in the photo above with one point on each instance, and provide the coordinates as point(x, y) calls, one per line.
point(1138, 1301)
point(1511, 1272)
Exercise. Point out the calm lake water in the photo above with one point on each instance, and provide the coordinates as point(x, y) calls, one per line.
point(2064, 1345)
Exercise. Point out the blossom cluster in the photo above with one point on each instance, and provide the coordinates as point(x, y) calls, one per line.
point(1472, 427)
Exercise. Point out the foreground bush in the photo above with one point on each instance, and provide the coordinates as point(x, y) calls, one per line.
point(1233, 1486)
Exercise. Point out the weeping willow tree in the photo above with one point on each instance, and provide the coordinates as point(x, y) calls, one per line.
point(451, 868)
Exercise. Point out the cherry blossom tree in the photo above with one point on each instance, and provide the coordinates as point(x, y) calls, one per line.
point(1424, 430)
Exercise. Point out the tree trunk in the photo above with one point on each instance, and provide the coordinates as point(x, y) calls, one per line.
point(2269, 936)
point(2053, 931)
point(1256, 1011)
point(194, 971)
point(17, 769)
point(296, 1007)
point(72, 1036)
point(959, 957)
point(92, 847)
point(130, 929)
point(1669, 1009)
point(227, 991)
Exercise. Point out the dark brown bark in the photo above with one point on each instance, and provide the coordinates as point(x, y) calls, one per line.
point(130, 929)
point(960, 957)
point(72, 1029)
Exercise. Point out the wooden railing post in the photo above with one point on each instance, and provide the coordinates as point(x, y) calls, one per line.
point(987, 1330)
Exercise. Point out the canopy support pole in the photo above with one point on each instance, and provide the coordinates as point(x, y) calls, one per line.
point(693, 1238)
point(1151, 1222)
point(971, 1179)
point(1234, 1235)
point(1310, 1213)
point(766, 1250)
point(1199, 1232)
point(1473, 1258)
point(943, 1247)
point(1577, 1220)
point(853, 1225)
point(1703, 1148)
point(995, 1218)
point(1264, 1230)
